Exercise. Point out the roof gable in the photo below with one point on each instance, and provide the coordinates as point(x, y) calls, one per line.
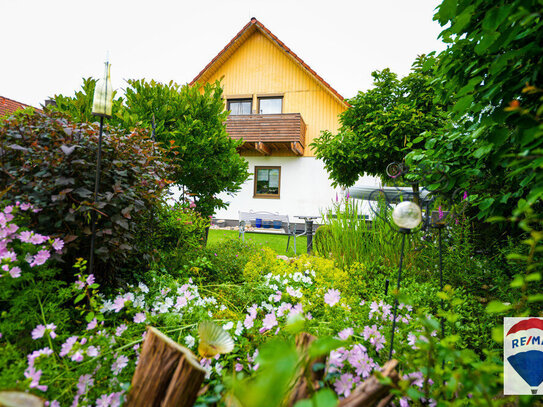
point(239, 40)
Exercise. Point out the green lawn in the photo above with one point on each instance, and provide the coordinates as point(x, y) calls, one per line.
point(276, 242)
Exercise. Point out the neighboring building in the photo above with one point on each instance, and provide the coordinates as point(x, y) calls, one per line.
point(278, 105)
point(9, 106)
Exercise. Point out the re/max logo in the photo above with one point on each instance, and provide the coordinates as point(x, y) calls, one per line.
point(524, 341)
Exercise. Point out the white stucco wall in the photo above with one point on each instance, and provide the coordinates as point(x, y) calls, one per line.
point(305, 189)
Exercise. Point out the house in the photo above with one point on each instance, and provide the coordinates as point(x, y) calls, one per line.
point(277, 105)
point(9, 106)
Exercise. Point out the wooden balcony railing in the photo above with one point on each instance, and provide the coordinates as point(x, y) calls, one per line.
point(267, 133)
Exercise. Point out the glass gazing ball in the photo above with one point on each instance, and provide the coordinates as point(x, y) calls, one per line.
point(407, 215)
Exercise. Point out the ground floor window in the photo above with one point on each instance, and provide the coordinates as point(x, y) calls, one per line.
point(267, 182)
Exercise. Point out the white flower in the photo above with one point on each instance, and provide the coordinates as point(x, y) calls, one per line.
point(189, 340)
point(143, 288)
point(228, 326)
point(239, 328)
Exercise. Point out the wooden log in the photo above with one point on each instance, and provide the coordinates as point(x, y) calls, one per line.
point(372, 391)
point(301, 388)
point(167, 375)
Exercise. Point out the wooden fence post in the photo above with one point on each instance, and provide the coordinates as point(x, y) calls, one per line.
point(168, 374)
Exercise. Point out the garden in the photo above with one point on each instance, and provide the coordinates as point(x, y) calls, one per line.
point(465, 124)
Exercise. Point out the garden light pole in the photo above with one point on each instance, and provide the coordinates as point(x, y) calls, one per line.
point(101, 106)
point(407, 215)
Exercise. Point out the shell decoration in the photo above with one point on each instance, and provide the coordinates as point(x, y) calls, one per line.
point(213, 340)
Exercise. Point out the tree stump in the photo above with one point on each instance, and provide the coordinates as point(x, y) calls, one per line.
point(371, 391)
point(301, 386)
point(168, 374)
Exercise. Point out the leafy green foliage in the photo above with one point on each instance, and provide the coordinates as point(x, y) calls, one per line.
point(492, 68)
point(190, 120)
point(382, 124)
point(51, 162)
point(193, 120)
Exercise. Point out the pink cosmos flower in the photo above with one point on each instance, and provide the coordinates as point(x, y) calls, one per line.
point(40, 258)
point(120, 329)
point(36, 239)
point(345, 334)
point(58, 244)
point(90, 279)
point(67, 346)
point(120, 363)
point(118, 304)
point(139, 317)
point(93, 351)
point(15, 272)
point(38, 332)
point(92, 324)
point(332, 297)
point(77, 356)
point(25, 236)
point(269, 322)
point(344, 385)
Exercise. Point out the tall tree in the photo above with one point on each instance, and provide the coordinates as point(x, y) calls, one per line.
point(493, 68)
point(189, 119)
point(383, 124)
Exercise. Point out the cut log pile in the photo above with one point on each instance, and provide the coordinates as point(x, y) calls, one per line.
point(169, 375)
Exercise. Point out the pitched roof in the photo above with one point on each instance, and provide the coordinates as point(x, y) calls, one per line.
point(9, 106)
point(241, 37)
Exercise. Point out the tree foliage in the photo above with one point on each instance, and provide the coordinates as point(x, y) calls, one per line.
point(51, 162)
point(493, 69)
point(382, 124)
point(189, 121)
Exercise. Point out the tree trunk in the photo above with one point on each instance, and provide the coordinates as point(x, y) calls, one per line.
point(307, 378)
point(371, 391)
point(168, 374)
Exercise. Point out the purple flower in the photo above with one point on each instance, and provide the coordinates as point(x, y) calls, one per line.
point(38, 239)
point(440, 213)
point(269, 321)
point(139, 317)
point(40, 258)
point(35, 376)
point(465, 197)
point(84, 384)
point(118, 304)
point(92, 324)
point(58, 244)
point(79, 284)
point(344, 385)
point(345, 334)
point(239, 367)
point(93, 351)
point(25, 206)
point(359, 359)
point(15, 272)
point(67, 346)
point(25, 236)
point(90, 279)
point(120, 363)
point(38, 332)
point(332, 297)
point(120, 329)
point(77, 356)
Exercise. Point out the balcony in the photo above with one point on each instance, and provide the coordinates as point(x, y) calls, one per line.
point(269, 133)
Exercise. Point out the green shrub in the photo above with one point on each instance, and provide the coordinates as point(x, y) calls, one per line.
point(51, 162)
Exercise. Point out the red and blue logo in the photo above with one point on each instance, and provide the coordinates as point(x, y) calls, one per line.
point(523, 352)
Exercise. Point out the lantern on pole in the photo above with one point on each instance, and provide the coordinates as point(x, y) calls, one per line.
point(101, 106)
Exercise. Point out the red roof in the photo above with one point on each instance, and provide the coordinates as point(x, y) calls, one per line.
point(242, 35)
point(9, 106)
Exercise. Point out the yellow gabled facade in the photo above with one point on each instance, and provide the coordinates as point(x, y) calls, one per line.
point(256, 64)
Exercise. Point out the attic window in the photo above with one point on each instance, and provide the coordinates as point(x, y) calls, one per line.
point(240, 106)
point(270, 105)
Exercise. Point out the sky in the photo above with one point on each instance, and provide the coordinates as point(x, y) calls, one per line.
point(49, 46)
